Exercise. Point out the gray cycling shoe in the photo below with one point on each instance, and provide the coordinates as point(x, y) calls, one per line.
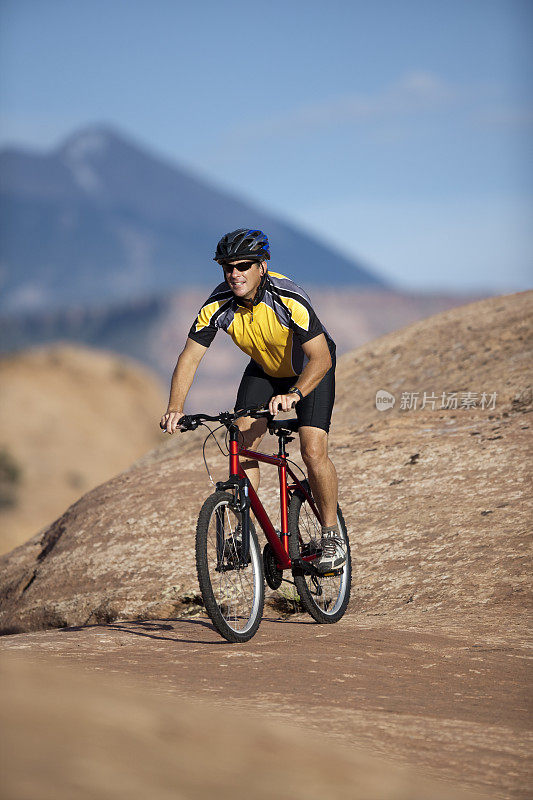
point(333, 553)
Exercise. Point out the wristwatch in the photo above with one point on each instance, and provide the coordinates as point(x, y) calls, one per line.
point(295, 390)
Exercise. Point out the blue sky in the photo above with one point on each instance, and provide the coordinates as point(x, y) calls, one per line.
point(398, 131)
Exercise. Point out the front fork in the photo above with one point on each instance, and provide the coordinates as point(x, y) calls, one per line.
point(239, 486)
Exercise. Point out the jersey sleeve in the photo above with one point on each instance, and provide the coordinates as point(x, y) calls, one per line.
point(204, 328)
point(304, 320)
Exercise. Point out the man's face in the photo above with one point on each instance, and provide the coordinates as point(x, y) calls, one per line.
point(244, 283)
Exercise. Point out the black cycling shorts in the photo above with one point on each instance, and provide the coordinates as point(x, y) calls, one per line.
point(256, 388)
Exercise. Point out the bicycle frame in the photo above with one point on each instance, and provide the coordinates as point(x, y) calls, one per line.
point(279, 546)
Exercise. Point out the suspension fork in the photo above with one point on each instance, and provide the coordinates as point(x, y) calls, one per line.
point(239, 485)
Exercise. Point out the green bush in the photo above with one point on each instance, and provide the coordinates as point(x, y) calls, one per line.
point(10, 479)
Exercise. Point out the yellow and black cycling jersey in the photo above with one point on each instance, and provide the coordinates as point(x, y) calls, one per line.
point(271, 332)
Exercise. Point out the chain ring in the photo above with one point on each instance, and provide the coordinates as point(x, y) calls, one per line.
point(273, 575)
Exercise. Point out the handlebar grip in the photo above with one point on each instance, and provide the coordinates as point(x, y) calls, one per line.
point(184, 420)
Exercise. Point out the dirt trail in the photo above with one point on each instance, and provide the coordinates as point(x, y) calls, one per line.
point(451, 703)
point(124, 742)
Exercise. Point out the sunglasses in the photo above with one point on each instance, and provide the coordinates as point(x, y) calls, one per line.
point(242, 267)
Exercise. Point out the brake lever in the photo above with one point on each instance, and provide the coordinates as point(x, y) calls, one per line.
point(260, 412)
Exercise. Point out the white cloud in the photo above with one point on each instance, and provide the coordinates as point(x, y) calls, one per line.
point(413, 93)
point(412, 97)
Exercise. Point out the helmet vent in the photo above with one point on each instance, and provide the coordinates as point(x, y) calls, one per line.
point(241, 243)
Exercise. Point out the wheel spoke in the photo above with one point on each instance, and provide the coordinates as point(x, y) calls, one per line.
point(325, 597)
point(234, 587)
point(326, 590)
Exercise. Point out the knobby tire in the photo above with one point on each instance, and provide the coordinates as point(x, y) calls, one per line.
point(305, 532)
point(234, 599)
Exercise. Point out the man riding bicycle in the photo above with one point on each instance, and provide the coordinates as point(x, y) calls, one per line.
point(292, 364)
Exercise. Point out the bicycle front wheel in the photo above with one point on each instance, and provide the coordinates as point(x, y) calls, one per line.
point(233, 592)
point(325, 597)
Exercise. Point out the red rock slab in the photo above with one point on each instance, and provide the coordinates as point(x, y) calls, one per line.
point(452, 704)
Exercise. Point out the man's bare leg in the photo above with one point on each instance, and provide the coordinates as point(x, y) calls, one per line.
point(253, 431)
point(321, 472)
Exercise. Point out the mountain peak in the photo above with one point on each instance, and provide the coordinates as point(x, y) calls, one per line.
point(82, 151)
point(90, 138)
point(103, 216)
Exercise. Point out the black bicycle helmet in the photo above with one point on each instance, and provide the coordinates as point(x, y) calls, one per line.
point(243, 243)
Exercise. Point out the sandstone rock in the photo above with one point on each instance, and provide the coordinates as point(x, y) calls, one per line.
point(66, 733)
point(70, 418)
point(435, 499)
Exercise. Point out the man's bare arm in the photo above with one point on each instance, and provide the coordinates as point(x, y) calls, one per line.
point(317, 351)
point(182, 378)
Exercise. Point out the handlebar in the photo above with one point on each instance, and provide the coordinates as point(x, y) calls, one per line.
point(189, 422)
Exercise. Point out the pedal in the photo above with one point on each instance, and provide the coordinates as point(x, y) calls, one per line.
point(299, 566)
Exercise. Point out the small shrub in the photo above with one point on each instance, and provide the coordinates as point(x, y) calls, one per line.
point(286, 601)
point(10, 479)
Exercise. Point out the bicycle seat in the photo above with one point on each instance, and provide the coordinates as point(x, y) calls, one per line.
point(283, 426)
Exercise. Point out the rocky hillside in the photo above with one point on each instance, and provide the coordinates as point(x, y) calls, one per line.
point(435, 498)
point(70, 418)
point(438, 495)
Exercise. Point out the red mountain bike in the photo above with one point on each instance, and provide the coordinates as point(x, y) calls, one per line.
point(231, 571)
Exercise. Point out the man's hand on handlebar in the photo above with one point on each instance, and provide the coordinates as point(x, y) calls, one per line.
point(282, 402)
point(169, 421)
point(177, 420)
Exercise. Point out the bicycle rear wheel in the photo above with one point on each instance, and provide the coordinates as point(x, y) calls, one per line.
point(233, 593)
point(325, 597)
